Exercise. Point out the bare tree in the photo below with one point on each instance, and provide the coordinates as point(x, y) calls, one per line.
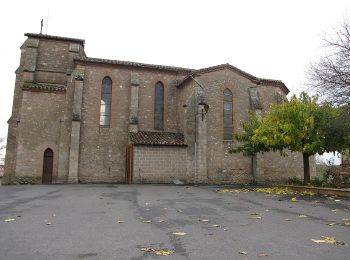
point(330, 76)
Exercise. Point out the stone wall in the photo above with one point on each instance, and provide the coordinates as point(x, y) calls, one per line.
point(273, 167)
point(159, 164)
point(102, 150)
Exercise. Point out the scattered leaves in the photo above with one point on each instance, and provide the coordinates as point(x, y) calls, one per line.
point(179, 233)
point(283, 191)
point(161, 252)
point(328, 240)
point(9, 220)
point(272, 190)
point(233, 190)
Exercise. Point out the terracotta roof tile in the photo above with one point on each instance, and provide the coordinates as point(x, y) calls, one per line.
point(157, 138)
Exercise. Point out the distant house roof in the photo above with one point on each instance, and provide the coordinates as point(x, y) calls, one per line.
point(52, 37)
point(270, 82)
point(157, 138)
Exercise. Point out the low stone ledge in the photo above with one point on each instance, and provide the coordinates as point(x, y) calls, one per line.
point(321, 190)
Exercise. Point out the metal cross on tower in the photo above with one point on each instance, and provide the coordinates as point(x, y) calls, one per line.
point(41, 26)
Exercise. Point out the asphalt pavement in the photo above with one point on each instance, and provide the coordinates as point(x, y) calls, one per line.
point(139, 221)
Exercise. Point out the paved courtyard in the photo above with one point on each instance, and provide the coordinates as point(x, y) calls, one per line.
point(133, 221)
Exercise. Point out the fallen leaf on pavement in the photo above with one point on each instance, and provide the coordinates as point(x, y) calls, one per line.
point(328, 240)
point(160, 252)
point(120, 221)
point(179, 233)
point(48, 223)
point(331, 224)
point(9, 220)
point(337, 200)
point(216, 225)
point(262, 255)
point(257, 217)
point(294, 199)
point(204, 220)
point(346, 222)
point(302, 216)
point(335, 210)
point(243, 252)
point(146, 221)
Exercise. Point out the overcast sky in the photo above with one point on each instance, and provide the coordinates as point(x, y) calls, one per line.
point(269, 39)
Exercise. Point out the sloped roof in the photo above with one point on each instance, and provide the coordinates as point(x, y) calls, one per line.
point(270, 82)
point(157, 138)
point(133, 64)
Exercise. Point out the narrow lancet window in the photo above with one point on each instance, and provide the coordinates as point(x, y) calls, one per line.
point(228, 122)
point(159, 106)
point(106, 101)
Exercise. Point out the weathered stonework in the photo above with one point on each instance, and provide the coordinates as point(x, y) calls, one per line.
point(57, 100)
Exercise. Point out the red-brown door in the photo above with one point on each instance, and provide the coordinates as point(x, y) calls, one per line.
point(47, 166)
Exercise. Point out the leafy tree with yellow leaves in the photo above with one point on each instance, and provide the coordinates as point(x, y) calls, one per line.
point(298, 125)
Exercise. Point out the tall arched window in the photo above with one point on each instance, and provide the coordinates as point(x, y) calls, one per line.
point(228, 123)
point(47, 166)
point(106, 100)
point(159, 106)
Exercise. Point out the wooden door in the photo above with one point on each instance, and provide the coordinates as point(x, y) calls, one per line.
point(47, 166)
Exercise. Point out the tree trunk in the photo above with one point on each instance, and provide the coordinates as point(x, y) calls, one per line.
point(254, 168)
point(306, 168)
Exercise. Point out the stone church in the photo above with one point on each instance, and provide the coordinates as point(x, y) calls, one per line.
point(82, 119)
